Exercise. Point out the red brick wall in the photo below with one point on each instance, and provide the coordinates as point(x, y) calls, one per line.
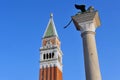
point(49, 73)
point(52, 73)
point(45, 74)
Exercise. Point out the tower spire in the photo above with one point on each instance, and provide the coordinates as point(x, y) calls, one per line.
point(51, 29)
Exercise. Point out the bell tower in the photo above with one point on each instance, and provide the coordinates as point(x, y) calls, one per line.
point(50, 54)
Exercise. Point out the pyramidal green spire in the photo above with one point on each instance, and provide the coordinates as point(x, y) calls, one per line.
point(50, 30)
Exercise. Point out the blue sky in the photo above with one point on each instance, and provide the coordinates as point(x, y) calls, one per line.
point(22, 25)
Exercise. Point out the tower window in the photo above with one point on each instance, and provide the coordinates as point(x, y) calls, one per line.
point(53, 55)
point(47, 55)
point(50, 55)
point(43, 56)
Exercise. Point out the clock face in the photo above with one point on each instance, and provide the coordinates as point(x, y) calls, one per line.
point(49, 44)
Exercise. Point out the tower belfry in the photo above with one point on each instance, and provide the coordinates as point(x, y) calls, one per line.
point(50, 54)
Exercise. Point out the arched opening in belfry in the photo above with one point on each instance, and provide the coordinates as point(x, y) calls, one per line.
point(53, 55)
point(43, 56)
point(50, 55)
point(47, 55)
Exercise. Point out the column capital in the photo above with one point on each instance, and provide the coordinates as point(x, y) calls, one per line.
point(87, 26)
point(87, 21)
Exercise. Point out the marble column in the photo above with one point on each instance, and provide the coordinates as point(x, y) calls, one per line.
point(87, 23)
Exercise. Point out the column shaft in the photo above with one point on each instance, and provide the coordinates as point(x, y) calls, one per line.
point(92, 69)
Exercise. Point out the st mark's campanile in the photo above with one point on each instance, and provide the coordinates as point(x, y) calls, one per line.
point(50, 54)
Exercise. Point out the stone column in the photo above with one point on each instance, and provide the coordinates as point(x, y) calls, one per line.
point(87, 23)
point(92, 69)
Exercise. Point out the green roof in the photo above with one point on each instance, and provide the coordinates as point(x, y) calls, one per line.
point(51, 30)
